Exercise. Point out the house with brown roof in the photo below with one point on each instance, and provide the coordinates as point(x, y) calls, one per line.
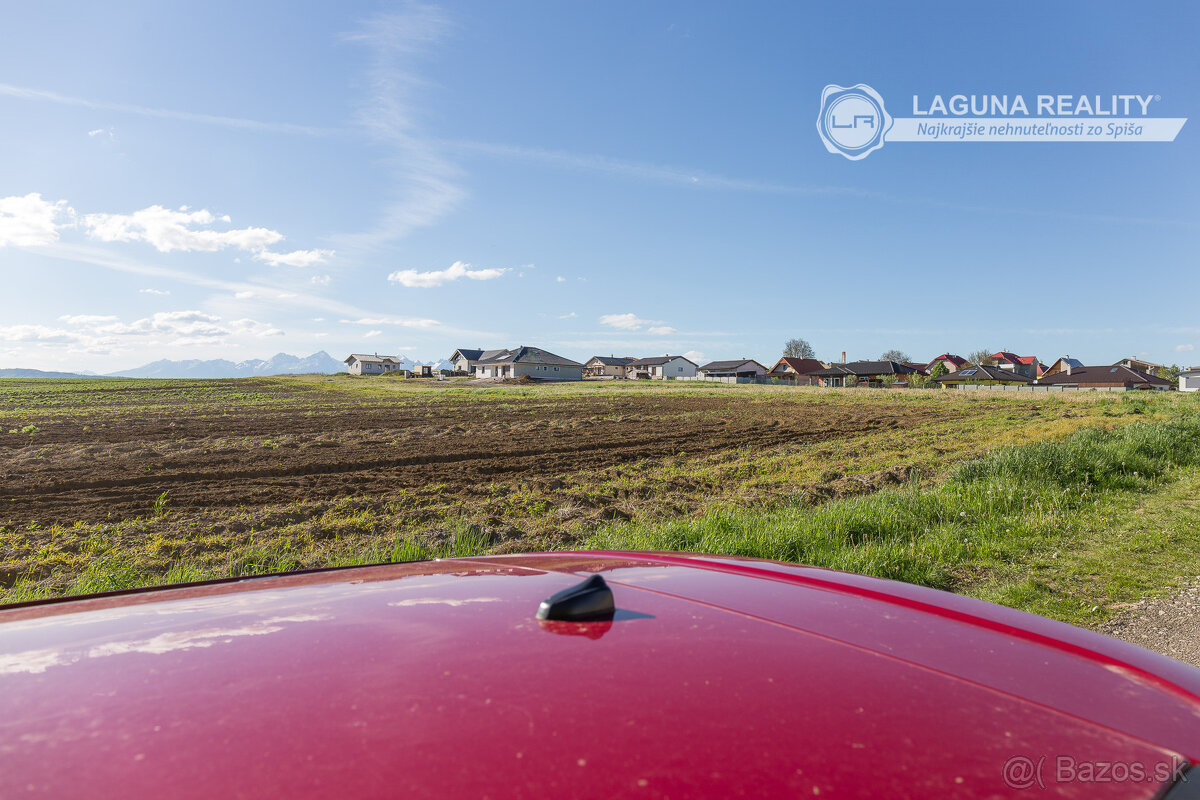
point(796, 370)
point(607, 366)
point(874, 374)
point(1114, 377)
point(1140, 365)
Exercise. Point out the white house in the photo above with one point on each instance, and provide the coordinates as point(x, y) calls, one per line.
point(533, 362)
point(662, 368)
point(1189, 380)
point(465, 360)
point(362, 364)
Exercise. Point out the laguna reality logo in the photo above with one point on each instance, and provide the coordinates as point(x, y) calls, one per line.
point(853, 121)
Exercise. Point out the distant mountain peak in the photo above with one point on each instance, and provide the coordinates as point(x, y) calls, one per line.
point(278, 364)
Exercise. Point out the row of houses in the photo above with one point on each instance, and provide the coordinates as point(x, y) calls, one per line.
point(948, 369)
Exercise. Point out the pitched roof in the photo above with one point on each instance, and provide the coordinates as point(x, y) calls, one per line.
point(612, 361)
point(801, 366)
point(370, 358)
point(1013, 358)
point(983, 372)
point(529, 355)
point(1113, 374)
point(957, 361)
point(866, 368)
point(722, 366)
point(476, 355)
point(654, 361)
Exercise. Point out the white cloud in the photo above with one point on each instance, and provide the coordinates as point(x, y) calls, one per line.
point(662, 330)
point(632, 322)
point(30, 221)
point(696, 356)
point(296, 258)
point(372, 334)
point(243, 295)
point(180, 327)
point(560, 279)
point(184, 230)
point(428, 280)
point(103, 133)
point(571, 315)
point(250, 327)
point(1184, 348)
point(318, 319)
point(36, 334)
point(86, 319)
point(320, 280)
point(154, 291)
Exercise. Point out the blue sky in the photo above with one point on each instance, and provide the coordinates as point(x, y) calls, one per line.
point(235, 180)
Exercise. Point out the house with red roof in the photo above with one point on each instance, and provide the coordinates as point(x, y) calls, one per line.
point(951, 362)
point(1029, 366)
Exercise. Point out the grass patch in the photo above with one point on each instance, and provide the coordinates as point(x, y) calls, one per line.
point(1050, 527)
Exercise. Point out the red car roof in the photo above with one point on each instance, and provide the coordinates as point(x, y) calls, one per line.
point(715, 677)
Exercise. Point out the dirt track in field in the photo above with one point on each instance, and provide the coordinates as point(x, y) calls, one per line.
point(76, 469)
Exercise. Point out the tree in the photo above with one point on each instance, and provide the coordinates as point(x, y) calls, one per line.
point(798, 348)
point(980, 357)
point(1170, 373)
point(895, 355)
point(939, 369)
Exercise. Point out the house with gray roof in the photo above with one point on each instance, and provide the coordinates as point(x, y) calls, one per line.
point(465, 360)
point(737, 368)
point(532, 362)
point(374, 364)
point(660, 368)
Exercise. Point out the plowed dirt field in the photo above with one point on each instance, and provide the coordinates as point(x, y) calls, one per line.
point(238, 455)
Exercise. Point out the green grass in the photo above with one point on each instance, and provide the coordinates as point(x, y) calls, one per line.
point(1046, 527)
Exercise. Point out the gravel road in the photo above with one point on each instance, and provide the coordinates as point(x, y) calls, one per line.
point(1171, 625)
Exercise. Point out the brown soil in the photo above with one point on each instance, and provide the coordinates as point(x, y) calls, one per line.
point(452, 448)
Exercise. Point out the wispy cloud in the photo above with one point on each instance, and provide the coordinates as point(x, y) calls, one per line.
point(632, 322)
point(404, 322)
point(238, 123)
point(1184, 348)
point(428, 280)
point(161, 292)
point(426, 181)
point(642, 171)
